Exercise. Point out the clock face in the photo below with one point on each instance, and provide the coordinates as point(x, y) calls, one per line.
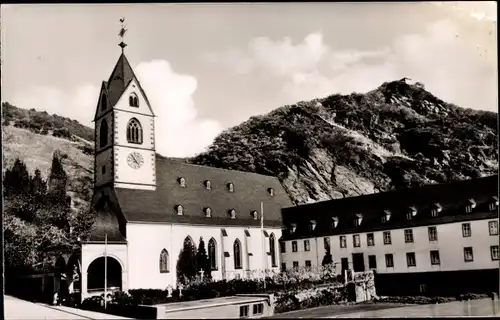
point(135, 160)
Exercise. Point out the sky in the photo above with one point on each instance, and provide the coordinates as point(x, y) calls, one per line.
point(208, 67)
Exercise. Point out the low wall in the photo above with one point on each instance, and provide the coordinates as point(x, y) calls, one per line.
point(440, 283)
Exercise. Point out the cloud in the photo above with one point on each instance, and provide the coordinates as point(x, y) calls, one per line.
point(179, 132)
point(454, 68)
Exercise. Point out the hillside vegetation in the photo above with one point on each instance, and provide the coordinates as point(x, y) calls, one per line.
point(398, 135)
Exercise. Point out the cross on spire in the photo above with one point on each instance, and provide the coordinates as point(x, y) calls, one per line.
point(122, 34)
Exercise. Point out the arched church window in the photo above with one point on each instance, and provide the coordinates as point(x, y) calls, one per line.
point(272, 249)
point(134, 131)
point(133, 101)
point(103, 133)
point(164, 262)
point(104, 102)
point(237, 254)
point(212, 254)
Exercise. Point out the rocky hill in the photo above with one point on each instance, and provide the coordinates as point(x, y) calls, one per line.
point(395, 136)
point(398, 135)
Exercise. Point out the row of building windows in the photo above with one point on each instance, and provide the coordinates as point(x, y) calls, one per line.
point(411, 260)
point(179, 209)
point(408, 237)
point(208, 185)
point(133, 101)
point(212, 253)
point(134, 132)
point(411, 213)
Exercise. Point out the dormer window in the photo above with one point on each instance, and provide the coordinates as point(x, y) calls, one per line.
point(133, 101)
point(471, 204)
point(179, 209)
point(494, 203)
point(412, 212)
point(358, 218)
point(436, 209)
point(232, 213)
point(335, 222)
point(312, 225)
point(208, 185)
point(254, 214)
point(386, 216)
point(293, 228)
point(270, 191)
point(208, 212)
point(230, 187)
point(182, 182)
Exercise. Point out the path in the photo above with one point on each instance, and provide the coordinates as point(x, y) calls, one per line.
point(23, 310)
point(473, 308)
point(482, 307)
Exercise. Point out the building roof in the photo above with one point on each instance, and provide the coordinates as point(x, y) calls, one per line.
point(250, 190)
point(452, 198)
point(119, 80)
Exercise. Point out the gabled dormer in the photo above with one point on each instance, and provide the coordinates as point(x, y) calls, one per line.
point(335, 222)
point(386, 216)
point(293, 228)
point(358, 219)
point(436, 208)
point(470, 205)
point(493, 205)
point(411, 212)
point(312, 225)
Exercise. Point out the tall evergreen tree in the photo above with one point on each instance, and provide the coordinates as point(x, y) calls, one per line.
point(186, 264)
point(17, 179)
point(202, 259)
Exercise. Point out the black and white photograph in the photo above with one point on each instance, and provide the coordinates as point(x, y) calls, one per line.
point(250, 160)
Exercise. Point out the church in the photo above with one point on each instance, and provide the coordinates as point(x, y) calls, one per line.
point(148, 207)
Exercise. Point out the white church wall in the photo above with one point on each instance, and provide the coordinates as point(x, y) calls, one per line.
point(91, 252)
point(147, 240)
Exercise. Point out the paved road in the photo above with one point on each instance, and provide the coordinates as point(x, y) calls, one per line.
point(474, 308)
point(327, 311)
point(17, 309)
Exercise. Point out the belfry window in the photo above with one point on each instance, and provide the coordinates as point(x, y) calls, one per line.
point(134, 131)
point(103, 133)
point(133, 101)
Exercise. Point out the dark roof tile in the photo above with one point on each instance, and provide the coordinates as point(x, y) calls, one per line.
point(452, 197)
point(159, 206)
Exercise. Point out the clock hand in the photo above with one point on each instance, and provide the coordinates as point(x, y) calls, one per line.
point(135, 159)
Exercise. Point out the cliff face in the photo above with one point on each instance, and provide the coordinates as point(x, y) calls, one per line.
point(398, 135)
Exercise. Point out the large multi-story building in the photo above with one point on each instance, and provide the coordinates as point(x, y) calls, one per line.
point(431, 239)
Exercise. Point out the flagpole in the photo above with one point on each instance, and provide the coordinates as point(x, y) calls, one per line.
point(105, 269)
point(263, 243)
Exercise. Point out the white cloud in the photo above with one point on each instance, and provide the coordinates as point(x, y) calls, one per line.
point(449, 66)
point(179, 132)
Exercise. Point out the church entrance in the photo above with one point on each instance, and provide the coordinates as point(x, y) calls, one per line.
point(95, 275)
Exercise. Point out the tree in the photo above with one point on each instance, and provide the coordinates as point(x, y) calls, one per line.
point(17, 179)
point(327, 259)
point(186, 264)
point(202, 259)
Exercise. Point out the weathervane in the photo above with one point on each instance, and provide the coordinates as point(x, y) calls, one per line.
point(122, 34)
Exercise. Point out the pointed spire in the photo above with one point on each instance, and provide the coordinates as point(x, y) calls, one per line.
point(122, 34)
